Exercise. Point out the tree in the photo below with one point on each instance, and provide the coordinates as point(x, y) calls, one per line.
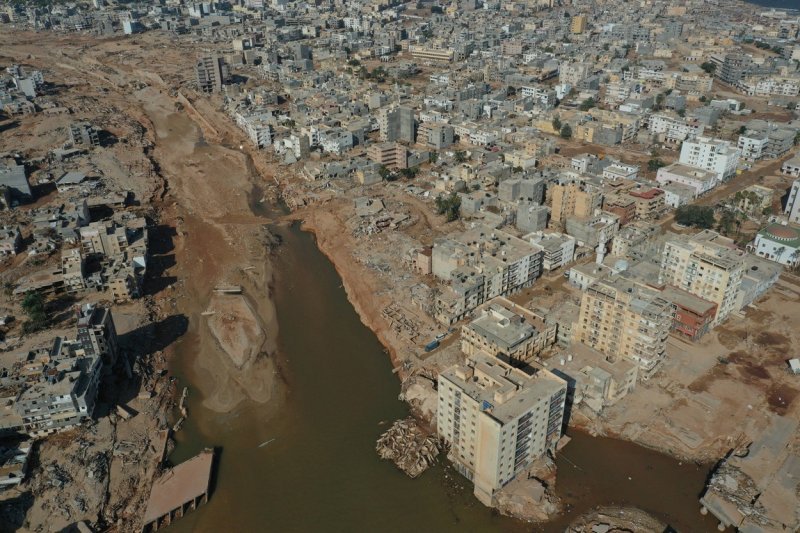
point(566, 132)
point(797, 138)
point(556, 123)
point(742, 130)
point(727, 222)
point(697, 216)
point(460, 156)
point(703, 98)
point(434, 157)
point(654, 164)
point(409, 173)
point(450, 206)
point(587, 104)
point(33, 305)
point(681, 113)
point(708, 67)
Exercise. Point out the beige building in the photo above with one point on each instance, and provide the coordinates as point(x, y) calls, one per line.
point(390, 154)
point(707, 265)
point(498, 419)
point(72, 269)
point(507, 331)
point(593, 382)
point(574, 199)
point(624, 320)
point(578, 24)
point(103, 238)
point(431, 54)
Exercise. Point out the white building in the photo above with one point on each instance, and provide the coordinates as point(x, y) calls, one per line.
point(675, 129)
point(752, 145)
point(498, 420)
point(793, 203)
point(779, 243)
point(617, 171)
point(559, 248)
point(772, 86)
point(711, 154)
point(701, 181)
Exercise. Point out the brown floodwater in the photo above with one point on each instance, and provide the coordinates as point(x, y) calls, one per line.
point(310, 465)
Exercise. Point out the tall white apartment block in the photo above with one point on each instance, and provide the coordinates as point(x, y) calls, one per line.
point(498, 419)
point(711, 154)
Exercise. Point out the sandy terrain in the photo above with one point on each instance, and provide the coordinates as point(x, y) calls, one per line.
point(197, 191)
point(709, 396)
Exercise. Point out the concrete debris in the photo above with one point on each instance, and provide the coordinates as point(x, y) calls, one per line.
point(410, 448)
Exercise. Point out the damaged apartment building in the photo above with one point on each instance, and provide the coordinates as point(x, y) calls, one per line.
point(498, 419)
point(478, 265)
point(48, 389)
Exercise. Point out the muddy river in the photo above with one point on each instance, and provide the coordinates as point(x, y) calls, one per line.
point(310, 465)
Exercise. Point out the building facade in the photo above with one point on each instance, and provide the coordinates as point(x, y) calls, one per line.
point(498, 420)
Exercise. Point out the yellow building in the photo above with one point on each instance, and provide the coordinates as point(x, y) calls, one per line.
point(578, 24)
point(573, 199)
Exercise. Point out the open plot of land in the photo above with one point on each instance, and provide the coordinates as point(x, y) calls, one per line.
point(705, 399)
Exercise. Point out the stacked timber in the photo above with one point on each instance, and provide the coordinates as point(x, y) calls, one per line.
point(409, 447)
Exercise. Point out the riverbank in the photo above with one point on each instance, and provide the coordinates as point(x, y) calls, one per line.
point(216, 244)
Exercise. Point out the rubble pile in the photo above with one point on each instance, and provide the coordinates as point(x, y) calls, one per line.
point(412, 449)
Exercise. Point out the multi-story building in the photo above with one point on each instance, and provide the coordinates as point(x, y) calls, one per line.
point(97, 334)
point(649, 203)
point(707, 265)
point(526, 190)
point(710, 154)
point(389, 154)
point(481, 263)
point(508, 332)
point(770, 86)
point(693, 315)
point(435, 135)
point(531, 217)
point(622, 319)
point(793, 202)
point(103, 238)
point(573, 73)
point(212, 73)
point(498, 420)
point(765, 140)
point(701, 181)
point(578, 24)
point(397, 124)
point(594, 232)
point(72, 269)
point(431, 54)
point(574, 199)
point(675, 129)
point(559, 248)
point(695, 84)
point(55, 388)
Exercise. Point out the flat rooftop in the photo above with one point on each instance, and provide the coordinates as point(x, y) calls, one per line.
point(505, 392)
point(180, 485)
